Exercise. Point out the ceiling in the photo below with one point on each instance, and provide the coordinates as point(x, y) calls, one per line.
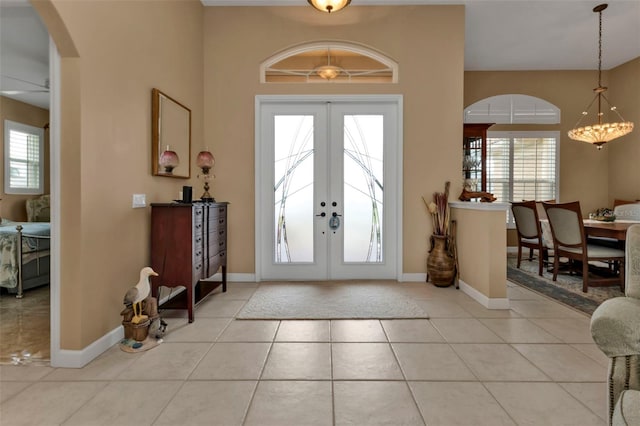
point(500, 35)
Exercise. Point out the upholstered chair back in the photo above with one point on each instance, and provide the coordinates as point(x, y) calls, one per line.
point(627, 212)
point(566, 223)
point(632, 262)
point(526, 219)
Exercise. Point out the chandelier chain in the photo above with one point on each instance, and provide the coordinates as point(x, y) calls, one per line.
point(600, 49)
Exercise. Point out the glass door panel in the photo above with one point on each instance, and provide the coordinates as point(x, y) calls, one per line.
point(293, 188)
point(363, 188)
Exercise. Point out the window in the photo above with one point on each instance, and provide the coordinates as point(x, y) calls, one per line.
point(522, 166)
point(329, 62)
point(23, 158)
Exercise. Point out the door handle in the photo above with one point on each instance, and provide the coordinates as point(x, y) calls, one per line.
point(323, 214)
point(334, 214)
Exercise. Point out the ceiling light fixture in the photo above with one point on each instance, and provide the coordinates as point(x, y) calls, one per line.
point(329, 5)
point(600, 133)
point(328, 72)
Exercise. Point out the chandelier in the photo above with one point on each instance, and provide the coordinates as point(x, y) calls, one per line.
point(600, 133)
point(329, 5)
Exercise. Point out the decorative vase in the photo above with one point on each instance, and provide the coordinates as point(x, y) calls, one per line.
point(441, 269)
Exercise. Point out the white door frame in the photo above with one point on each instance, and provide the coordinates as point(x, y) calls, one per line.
point(260, 221)
point(54, 190)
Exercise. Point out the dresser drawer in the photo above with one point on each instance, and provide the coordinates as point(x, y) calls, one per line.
point(197, 229)
point(216, 246)
point(215, 262)
point(217, 212)
point(217, 222)
point(198, 215)
point(218, 233)
point(198, 271)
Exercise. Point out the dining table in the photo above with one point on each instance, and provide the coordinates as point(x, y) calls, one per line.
point(616, 229)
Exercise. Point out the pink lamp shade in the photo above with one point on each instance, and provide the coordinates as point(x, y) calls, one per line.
point(205, 161)
point(169, 160)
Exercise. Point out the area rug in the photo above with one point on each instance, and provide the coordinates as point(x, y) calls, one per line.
point(346, 300)
point(567, 289)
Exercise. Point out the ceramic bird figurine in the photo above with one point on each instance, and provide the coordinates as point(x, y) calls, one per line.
point(138, 293)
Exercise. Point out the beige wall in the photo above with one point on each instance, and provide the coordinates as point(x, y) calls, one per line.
point(426, 41)
point(481, 248)
point(624, 153)
point(113, 54)
point(12, 206)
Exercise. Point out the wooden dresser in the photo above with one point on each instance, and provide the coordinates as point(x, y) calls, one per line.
point(188, 246)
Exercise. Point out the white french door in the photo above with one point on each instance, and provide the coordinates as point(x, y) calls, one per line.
point(327, 187)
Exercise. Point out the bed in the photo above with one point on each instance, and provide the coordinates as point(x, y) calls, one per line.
point(24, 255)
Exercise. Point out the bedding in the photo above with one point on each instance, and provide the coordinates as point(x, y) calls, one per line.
point(32, 248)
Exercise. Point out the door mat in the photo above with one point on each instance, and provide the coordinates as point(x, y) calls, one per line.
point(336, 300)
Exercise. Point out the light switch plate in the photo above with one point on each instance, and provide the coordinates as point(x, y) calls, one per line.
point(139, 200)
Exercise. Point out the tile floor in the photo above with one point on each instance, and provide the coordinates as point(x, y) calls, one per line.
point(534, 364)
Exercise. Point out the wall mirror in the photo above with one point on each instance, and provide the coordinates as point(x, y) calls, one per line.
point(171, 136)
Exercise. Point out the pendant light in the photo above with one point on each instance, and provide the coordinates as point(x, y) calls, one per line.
point(600, 133)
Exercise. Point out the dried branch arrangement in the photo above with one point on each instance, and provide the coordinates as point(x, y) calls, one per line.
point(439, 210)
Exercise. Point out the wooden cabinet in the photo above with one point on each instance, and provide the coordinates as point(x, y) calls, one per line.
point(188, 246)
point(474, 156)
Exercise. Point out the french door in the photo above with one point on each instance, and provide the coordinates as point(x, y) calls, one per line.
point(327, 188)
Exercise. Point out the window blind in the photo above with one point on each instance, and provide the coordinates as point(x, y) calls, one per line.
point(23, 161)
point(522, 166)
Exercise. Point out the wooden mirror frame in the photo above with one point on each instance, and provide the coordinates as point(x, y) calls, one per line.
point(170, 131)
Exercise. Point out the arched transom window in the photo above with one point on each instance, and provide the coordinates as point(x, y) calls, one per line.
point(329, 61)
point(512, 109)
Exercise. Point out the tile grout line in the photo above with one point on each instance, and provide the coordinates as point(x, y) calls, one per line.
point(404, 376)
point(259, 379)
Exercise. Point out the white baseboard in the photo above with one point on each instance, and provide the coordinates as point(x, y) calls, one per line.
point(237, 277)
point(416, 278)
point(78, 359)
point(241, 278)
point(489, 303)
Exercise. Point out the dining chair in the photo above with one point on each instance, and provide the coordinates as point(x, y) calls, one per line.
point(617, 202)
point(567, 230)
point(529, 231)
point(627, 212)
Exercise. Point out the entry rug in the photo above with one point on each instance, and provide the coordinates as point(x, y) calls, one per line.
point(567, 289)
point(335, 300)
